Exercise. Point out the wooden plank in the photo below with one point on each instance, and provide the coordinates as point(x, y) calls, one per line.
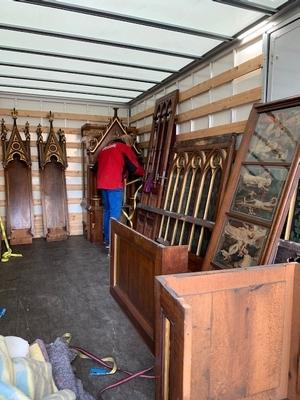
point(226, 129)
point(45, 129)
point(227, 76)
point(141, 115)
point(249, 96)
point(144, 129)
point(59, 115)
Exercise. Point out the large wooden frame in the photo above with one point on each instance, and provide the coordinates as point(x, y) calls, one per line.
point(265, 174)
point(18, 184)
point(135, 261)
point(229, 334)
point(52, 163)
point(163, 135)
point(196, 182)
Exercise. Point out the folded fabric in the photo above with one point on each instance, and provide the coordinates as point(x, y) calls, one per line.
point(61, 356)
point(24, 378)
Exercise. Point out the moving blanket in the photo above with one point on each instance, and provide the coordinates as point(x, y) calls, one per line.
point(25, 378)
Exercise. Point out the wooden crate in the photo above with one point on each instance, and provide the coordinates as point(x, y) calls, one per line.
point(135, 261)
point(229, 335)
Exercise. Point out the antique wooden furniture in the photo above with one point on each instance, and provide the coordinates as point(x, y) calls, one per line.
point(94, 138)
point(196, 182)
point(135, 261)
point(162, 137)
point(265, 175)
point(229, 334)
point(53, 162)
point(18, 184)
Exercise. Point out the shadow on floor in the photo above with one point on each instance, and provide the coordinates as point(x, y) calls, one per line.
point(63, 287)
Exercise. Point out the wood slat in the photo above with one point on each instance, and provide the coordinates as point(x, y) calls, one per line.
point(141, 115)
point(234, 127)
point(249, 96)
point(45, 129)
point(144, 129)
point(225, 77)
point(59, 115)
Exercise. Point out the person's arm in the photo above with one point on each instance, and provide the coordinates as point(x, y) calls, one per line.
point(131, 162)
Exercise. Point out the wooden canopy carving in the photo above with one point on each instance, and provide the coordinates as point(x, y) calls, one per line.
point(53, 162)
point(15, 145)
point(18, 185)
point(53, 147)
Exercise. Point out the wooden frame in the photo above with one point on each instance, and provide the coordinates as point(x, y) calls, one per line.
point(197, 178)
point(162, 137)
point(262, 183)
point(52, 163)
point(134, 262)
point(229, 334)
point(18, 183)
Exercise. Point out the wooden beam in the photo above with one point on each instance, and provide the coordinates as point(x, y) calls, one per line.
point(144, 129)
point(225, 77)
point(234, 127)
point(249, 96)
point(59, 115)
point(141, 115)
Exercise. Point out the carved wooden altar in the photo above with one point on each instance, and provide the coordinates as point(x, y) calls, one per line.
point(18, 184)
point(229, 334)
point(52, 163)
point(94, 138)
point(163, 135)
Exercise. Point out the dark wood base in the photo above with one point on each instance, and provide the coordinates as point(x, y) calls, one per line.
point(20, 236)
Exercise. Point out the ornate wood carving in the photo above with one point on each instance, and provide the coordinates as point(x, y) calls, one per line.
point(265, 175)
point(94, 138)
point(230, 334)
point(52, 163)
point(18, 183)
point(196, 181)
point(134, 263)
point(162, 137)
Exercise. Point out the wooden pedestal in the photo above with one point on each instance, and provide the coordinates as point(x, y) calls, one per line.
point(229, 335)
point(135, 261)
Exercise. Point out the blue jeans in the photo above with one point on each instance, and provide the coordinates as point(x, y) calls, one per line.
point(112, 200)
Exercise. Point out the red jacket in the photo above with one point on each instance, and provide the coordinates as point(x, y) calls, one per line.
point(113, 162)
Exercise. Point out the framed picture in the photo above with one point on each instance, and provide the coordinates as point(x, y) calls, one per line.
point(258, 190)
point(263, 179)
point(241, 244)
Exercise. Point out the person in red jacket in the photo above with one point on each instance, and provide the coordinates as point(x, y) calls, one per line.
point(115, 160)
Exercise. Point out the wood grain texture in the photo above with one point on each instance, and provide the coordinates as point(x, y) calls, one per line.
point(134, 263)
point(231, 334)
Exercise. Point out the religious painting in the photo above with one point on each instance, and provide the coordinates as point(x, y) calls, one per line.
point(275, 136)
point(258, 190)
point(241, 244)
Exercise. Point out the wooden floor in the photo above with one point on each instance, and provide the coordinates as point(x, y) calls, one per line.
point(63, 287)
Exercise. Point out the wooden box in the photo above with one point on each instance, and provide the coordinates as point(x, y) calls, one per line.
point(229, 335)
point(135, 261)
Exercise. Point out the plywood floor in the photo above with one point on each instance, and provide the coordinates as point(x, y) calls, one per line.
point(64, 287)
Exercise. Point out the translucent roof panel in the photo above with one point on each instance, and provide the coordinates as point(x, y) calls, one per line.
point(116, 48)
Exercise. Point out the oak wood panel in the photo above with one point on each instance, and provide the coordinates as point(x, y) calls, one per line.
point(233, 334)
point(249, 96)
point(254, 64)
point(144, 129)
point(135, 261)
